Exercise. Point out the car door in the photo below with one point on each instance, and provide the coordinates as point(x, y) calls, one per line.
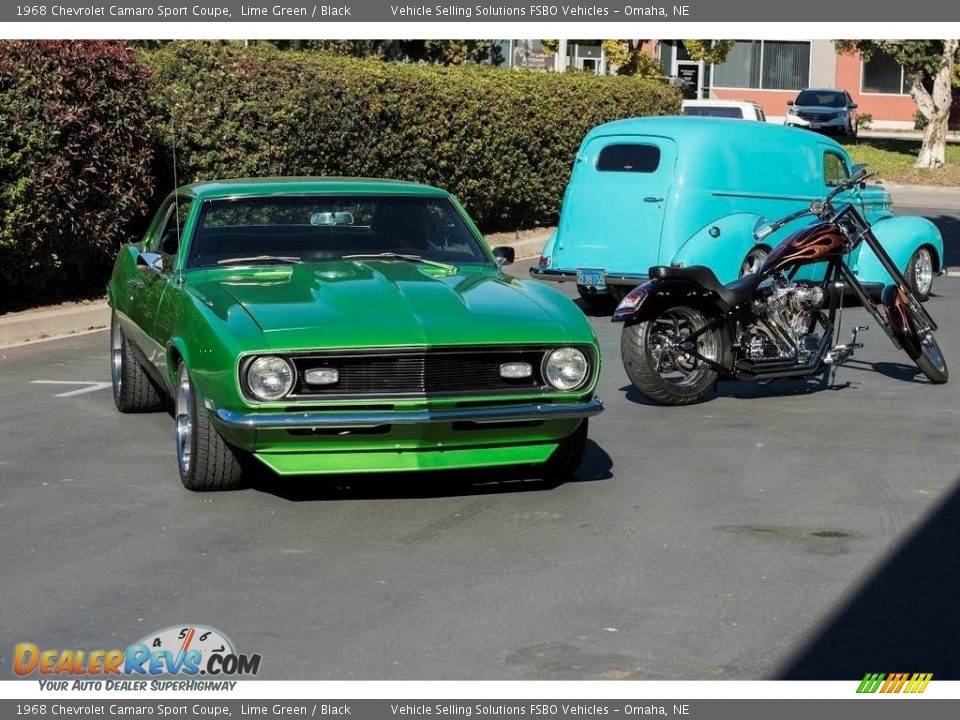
point(154, 282)
point(615, 206)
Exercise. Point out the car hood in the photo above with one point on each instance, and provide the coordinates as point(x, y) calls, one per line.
point(382, 303)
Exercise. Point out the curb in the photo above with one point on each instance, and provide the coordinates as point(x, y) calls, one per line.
point(33, 326)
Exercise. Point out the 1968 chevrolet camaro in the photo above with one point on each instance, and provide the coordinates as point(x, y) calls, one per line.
point(337, 325)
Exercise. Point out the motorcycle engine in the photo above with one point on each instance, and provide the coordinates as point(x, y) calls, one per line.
point(787, 314)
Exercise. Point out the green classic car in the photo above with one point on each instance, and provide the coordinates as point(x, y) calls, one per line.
point(332, 325)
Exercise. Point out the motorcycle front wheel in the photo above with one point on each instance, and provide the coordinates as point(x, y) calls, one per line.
point(930, 360)
point(657, 364)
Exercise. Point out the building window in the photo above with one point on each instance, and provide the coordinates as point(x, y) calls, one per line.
point(765, 65)
point(883, 74)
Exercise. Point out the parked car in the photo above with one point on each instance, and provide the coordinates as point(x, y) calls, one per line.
point(688, 191)
point(736, 109)
point(337, 326)
point(826, 110)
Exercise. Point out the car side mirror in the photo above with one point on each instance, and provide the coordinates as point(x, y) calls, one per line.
point(504, 255)
point(853, 106)
point(150, 261)
point(789, 102)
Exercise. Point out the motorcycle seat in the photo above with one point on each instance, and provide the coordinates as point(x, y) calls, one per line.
point(731, 294)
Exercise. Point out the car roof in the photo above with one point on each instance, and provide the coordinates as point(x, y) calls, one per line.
point(829, 90)
point(702, 133)
point(266, 186)
point(718, 103)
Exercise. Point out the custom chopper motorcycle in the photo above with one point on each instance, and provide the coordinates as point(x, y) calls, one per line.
point(684, 330)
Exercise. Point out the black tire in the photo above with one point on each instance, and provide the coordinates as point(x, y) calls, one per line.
point(932, 363)
point(212, 463)
point(133, 390)
point(638, 343)
point(919, 272)
point(604, 302)
point(565, 460)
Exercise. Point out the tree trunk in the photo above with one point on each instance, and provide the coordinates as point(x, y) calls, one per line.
point(935, 109)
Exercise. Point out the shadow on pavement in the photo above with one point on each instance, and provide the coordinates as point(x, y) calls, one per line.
point(949, 226)
point(904, 618)
point(596, 466)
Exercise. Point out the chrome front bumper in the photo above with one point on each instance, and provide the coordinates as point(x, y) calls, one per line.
point(338, 419)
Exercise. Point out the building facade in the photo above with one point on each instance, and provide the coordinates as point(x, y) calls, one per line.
point(771, 72)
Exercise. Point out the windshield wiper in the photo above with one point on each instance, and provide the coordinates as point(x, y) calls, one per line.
point(400, 256)
point(259, 258)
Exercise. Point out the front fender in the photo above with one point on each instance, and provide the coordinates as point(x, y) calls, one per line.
point(900, 236)
point(720, 245)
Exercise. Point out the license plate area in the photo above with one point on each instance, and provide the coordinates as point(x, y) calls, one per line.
point(592, 277)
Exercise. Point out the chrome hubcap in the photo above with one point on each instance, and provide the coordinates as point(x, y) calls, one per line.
point(182, 404)
point(116, 356)
point(923, 271)
point(932, 350)
point(752, 262)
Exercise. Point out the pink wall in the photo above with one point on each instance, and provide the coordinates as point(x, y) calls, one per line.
point(882, 107)
point(773, 102)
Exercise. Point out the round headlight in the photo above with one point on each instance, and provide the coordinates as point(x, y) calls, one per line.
point(270, 377)
point(566, 368)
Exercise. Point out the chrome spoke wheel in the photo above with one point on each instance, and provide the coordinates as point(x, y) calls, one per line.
point(923, 272)
point(753, 261)
point(116, 357)
point(183, 412)
point(668, 345)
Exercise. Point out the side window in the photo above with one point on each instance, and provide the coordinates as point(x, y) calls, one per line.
point(629, 158)
point(167, 241)
point(834, 169)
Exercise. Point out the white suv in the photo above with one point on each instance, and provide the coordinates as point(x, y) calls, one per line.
point(740, 109)
point(827, 110)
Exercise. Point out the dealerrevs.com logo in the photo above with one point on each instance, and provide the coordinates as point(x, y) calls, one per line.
point(181, 650)
point(894, 682)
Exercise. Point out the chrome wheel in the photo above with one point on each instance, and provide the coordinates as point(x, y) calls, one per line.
point(116, 357)
point(183, 412)
point(670, 350)
point(923, 272)
point(753, 261)
point(931, 351)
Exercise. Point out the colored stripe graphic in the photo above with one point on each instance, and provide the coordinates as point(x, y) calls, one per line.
point(894, 682)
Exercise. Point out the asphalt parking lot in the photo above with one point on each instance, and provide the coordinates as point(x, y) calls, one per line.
point(785, 531)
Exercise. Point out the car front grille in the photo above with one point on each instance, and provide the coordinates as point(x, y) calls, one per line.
point(816, 117)
point(473, 371)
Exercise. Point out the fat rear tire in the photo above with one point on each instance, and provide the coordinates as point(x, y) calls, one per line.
point(640, 366)
point(565, 460)
point(133, 390)
point(213, 464)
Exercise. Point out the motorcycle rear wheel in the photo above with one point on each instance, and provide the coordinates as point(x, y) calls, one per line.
point(661, 371)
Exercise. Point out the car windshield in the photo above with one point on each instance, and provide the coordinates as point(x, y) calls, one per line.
point(821, 99)
point(329, 227)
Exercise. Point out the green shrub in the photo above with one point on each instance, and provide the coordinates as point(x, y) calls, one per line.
point(864, 120)
point(75, 165)
point(503, 141)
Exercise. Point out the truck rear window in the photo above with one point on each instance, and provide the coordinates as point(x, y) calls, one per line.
point(629, 158)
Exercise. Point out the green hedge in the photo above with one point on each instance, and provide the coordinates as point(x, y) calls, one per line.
point(502, 141)
point(87, 130)
point(75, 165)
